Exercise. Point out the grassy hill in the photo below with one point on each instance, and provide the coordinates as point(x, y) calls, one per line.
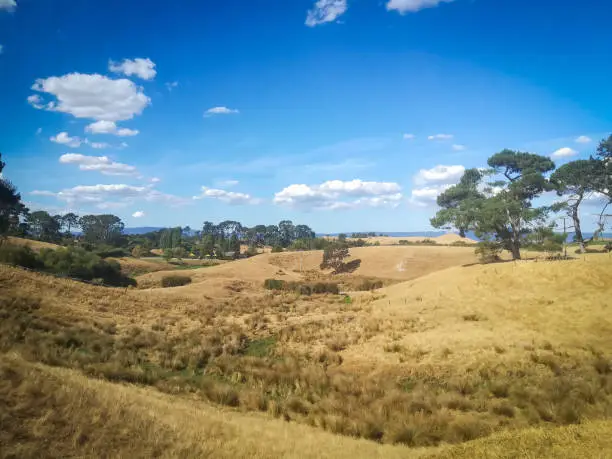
point(501, 360)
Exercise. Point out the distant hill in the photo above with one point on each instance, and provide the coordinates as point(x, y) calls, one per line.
point(142, 229)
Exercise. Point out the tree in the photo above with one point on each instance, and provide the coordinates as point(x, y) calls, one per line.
point(43, 226)
point(11, 207)
point(509, 214)
point(342, 237)
point(575, 180)
point(70, 221)
point(102, 229)
point(334, 255)
point(459, 202)
point(286, 232)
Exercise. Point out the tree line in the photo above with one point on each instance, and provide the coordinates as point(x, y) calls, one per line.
point(497, 203)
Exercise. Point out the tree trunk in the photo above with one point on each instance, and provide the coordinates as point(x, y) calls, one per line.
point(461, 232)
point(516, 249)
point(578, 232)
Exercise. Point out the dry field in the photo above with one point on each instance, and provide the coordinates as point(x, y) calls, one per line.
point(503, 360)
point(445, 239)
point(34, 245)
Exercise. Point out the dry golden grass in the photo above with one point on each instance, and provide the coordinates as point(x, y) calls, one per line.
point(444, 239)
point(34, 245)
point(497, 351)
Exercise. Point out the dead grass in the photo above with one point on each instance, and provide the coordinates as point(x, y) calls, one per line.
point(384, 367)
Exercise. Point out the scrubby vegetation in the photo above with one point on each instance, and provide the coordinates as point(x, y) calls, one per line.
point(303, 288)
point(70, 262)
point(175, 281)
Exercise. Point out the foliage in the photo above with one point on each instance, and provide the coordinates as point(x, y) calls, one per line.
point(138, 251)
point(334, 255)
point(369, 284)
point(109, 251)
point(458, 203)
point(175, 281)
point(102, 229)
point(576, 180)
point(489, 251)
point(11, 207)
point(277, 249)
point(303, 288)
point(43, 226)
point(73, 262)
point(17, 255)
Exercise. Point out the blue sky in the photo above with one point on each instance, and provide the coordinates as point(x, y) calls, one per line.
point(344, 115)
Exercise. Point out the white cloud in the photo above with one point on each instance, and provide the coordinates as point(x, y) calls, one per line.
point(98, 145)
point(426, 196)
point(110, 127)
point(35, 101)
point(440, 137)
point(8, 5)
point(64, 139)
point(155, 180)
point(142, 68)
point(440, 174)
point(458, 147)
point(583, 139)
point(171, 85)
point(112, 196)
point(220, 111)
point(228, 197)
point(100, 164)
point(91, 96)
point(412, 6)
point(325, 11)
point(138, 214)
point(564, 152)
point(409, 136)
point(337, 194)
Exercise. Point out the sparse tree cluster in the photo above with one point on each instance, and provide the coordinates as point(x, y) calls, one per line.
point(502, 211)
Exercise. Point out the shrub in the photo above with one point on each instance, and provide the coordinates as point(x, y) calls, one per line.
point(369, 284)
point(460, 244)
point(22, 256)
point(488, 251)
point(274, 284)
point(72, 262)
point(175, 281)
point(107, 251)
point(277, 249)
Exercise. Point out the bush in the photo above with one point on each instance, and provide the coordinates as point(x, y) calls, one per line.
point(277, 249)
point(488, 251)
point(460, 244)
point(22, 256)
point(107, 251)
point(175, 281)
point(369, 284)
point(302, 288)
point(71, 262)
point(274, 284)
point(77, 263)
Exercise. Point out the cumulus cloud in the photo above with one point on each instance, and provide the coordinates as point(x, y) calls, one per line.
point(564, 152)
point(439, 174)
point(426, 196)
point(408, 136)
point(432, 182)
point(64, 139)
point(8, 5)
point(583, 139)
point(412, 6)
point(337, 194)
point(220, 111)
point(100, 164)
point(229, 197)
point(142, 68)
point(110, 127)
point(325, 11)
point(440, 137)
point(91, 96)
point(138, 214)
point(111, 196)
point(458, 147)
